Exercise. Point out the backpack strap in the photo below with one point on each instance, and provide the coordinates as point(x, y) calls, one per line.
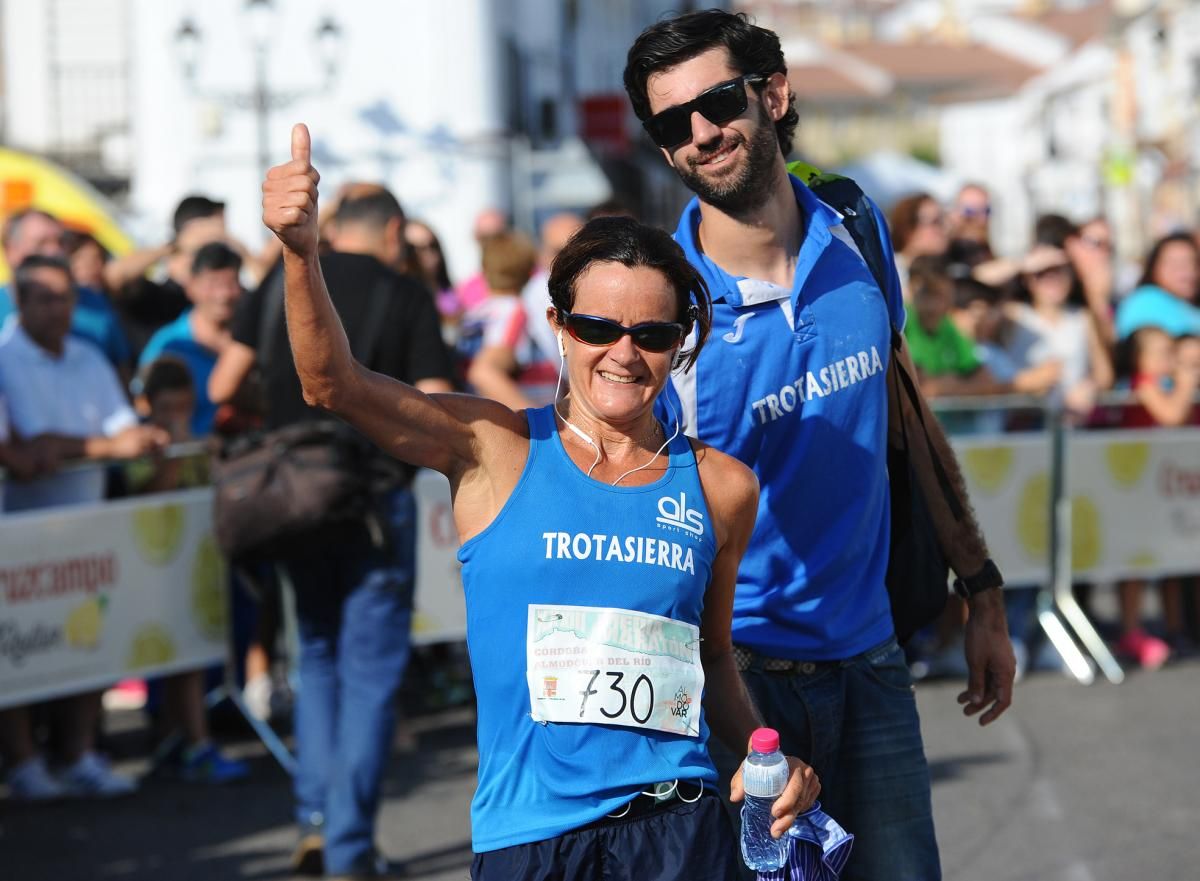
point(859, 220)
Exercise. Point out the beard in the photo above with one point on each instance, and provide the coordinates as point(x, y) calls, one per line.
point(746, 189)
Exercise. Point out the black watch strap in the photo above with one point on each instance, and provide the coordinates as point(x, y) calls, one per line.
point(985, 579)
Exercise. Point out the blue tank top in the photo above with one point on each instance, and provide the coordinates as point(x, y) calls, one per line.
point(537, 781)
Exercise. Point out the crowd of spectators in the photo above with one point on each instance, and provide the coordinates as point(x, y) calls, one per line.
point(105, 358)
point(1065, 324)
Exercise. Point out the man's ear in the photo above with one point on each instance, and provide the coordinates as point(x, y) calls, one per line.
point(667, 155)
point(777, 94)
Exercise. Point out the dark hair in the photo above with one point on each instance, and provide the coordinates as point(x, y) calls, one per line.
point(673, 41)
point(441, 276)
point(903, 218)
point(22, 275)
point(195, 208)
point(925, 272)
point(166, 374)
point(75, 240)
point(1053, 229)
point(375, 209)
point(13, 223)
point(623, 240)
point(1155, 255)
point(612, 207)
point(216, 256)
point(968, 290)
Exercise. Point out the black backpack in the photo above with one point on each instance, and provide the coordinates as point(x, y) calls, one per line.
point(917, 574)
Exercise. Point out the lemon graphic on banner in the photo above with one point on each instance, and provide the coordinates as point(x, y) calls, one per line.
point(1085, 533)
point(152, 645)
point(82, 628)
point(1142, 560)
point(988, 467)
point(1127, 461)
point(1033, 517)
point(158, 532)
point(208, 590)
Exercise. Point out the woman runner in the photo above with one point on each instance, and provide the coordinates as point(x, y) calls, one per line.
point(600, 551)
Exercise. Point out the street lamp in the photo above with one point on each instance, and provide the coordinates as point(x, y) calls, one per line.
point(260, 98)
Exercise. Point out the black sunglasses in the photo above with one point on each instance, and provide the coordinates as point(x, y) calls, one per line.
point(652, 336)
point(718, 105)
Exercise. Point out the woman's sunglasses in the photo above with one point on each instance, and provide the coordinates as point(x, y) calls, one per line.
point(718, 105)
point(652, 336)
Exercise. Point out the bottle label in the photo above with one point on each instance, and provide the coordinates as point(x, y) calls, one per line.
point(598, 666)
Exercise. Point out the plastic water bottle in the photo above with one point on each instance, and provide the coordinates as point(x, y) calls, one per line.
point(764, 777)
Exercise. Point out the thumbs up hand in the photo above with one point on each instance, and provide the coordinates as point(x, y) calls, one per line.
point(290, 197)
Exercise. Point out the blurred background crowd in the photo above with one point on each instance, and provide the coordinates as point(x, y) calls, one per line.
point(1037, 161)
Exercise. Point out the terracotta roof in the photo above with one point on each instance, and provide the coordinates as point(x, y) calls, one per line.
point(1078, 25)
point(825, 83)
point(938, 67)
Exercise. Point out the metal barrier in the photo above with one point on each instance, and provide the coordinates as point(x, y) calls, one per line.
point(1059, 615)
point(439, 614)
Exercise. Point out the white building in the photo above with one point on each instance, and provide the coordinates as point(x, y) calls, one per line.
point(457, 105)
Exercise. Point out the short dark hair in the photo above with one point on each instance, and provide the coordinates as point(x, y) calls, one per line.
point(216, 256)
point(926, 271)
point(166, 374)
point(375, 209)
point(673, 41)
point(194, 208)
point(625, 241)
point(76, 239)
point(1053, 229)
point(22, 275)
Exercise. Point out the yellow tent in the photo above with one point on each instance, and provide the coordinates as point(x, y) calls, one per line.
point(27, 181)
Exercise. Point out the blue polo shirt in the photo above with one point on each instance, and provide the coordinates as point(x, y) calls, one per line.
point(794, 384)
point(176, 339)
point(94, 320)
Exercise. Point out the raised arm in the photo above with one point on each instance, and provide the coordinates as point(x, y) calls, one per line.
point(446, 432)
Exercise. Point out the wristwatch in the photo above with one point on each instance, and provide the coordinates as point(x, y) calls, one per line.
point(985, 579)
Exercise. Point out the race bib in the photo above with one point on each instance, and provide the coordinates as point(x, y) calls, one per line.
point(613, 667)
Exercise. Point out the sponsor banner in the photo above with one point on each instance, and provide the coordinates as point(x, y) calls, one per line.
point(1135, 502)
point(440, 612)
point(92, 594)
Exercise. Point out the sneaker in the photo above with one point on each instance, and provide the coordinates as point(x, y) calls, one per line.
point(309, 856)
point(91, 777)
point(257, 695)
point(1150, 652)
point(205, 764)
point(32, 781)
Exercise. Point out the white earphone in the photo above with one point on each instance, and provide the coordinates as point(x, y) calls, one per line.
point(562, 347)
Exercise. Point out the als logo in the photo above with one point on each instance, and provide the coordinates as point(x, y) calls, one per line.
point(739, 327)
point(676, 514)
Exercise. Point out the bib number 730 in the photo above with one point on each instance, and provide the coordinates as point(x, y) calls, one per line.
point(640, 693)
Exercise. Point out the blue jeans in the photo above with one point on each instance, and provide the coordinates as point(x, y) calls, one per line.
point(354, 607)
point(855, 722)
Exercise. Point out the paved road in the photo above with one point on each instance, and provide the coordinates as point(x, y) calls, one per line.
point(1074, 784)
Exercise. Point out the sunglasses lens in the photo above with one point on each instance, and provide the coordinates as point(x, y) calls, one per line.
point(593, 331)
point(718, 105)
point(657, 337)
point(670, 127)
point(723, 103)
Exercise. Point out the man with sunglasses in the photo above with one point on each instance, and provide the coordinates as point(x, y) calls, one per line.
point(794, 384)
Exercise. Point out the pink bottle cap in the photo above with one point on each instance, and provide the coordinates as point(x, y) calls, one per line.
point(764, 740)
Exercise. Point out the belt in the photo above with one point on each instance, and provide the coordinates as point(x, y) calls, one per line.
point(744, 658)
point(656, 797)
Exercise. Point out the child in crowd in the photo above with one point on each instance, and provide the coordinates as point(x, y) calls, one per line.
point(170, 401)
point(1164, 375)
